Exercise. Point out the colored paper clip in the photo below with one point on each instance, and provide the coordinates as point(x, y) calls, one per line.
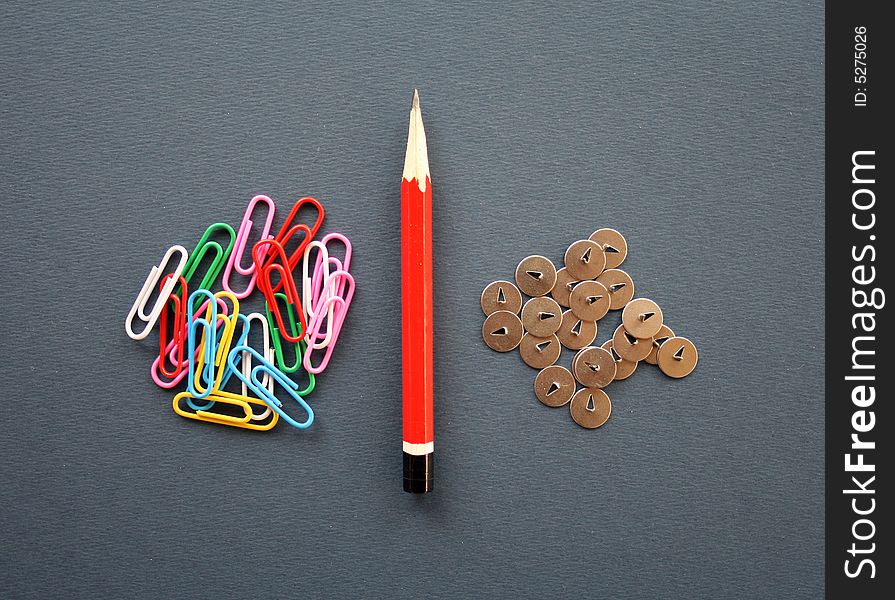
point(206, 366)
point(276, 338)
point(239, 341)
point(203, 246)
point(265, 284)
point(200, 383)
point(341, 310)
point(290, 260)
point(288, 231)
point(175, 348)
point(279, 344)
point(215, 374)
point(321, 272)
point(345, 264)
point(247, 365)
point(246, 421)
point(307, 288)
point(255, 383)
point(235, 261)
point(308, 201)
point(171, 350)
point(247, 361)
point(155, 274)
point(243, 340)
point(208, 347)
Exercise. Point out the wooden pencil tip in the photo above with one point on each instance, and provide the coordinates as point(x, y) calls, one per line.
point(416, 160)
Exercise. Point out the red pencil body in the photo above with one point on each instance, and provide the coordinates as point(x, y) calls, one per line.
point(416, 309)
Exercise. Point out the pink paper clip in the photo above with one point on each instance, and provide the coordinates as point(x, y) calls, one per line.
point(171, 349)
point(343, 265)
point(308, 278)
point(239, 246)
point(336, 288)
point(339, 279)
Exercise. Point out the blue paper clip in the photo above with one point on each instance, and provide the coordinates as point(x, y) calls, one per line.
point(210, 348)
point(254, 382)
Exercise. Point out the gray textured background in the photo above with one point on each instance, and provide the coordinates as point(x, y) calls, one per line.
point(696, 130)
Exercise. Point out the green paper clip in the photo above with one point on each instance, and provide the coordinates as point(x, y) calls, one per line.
point(278, 344)
point(203, 246)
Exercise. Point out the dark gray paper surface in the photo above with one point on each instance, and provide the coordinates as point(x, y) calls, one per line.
point(694, 129)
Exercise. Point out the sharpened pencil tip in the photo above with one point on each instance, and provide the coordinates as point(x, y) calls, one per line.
point(416, 161)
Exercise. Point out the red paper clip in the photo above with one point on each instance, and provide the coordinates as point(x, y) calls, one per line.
point(178, 341)
point(287, 282)
point(294, 213)
point(288, 230)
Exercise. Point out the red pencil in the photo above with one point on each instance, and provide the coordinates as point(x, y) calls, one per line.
point(416, 308)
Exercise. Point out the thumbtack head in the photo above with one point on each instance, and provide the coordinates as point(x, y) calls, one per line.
point(642, 318)
point(584, 259)
point(535, 275)
point(677, 357)
point(501, 295)
point(502, 331)
point(614, 246)
point(541, 316)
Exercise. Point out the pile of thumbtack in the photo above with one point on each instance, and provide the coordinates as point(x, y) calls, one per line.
point(589, 286)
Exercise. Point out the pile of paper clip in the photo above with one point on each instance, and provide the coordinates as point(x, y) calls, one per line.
point(204, 338)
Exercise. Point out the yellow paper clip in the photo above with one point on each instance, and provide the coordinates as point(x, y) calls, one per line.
point(245, 402)
point(222, 350)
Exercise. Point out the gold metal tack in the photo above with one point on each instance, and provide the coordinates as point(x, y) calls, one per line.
point(575, 334)
point(541, 316)
point(642, 318)
point(554, 386)
point(502, 331)
point(585, 259)
point(620, 286)
point(613, 244)
point(590, 301)
point(535, 275)
point(594, 367)
point(629, 347)
point(537, 352)
point(677, 357)
point(590, 407)
point(501, 295)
